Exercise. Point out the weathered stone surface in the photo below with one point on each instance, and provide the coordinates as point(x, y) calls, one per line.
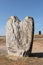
point(19, 35)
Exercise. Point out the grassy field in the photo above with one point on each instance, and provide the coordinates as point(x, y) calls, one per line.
point(22, 61)
point(36, 56)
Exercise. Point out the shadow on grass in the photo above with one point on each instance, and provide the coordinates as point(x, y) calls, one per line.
point(39, 55)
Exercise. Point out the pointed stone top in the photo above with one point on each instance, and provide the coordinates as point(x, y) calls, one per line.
point(28, 17)
point(14, 18)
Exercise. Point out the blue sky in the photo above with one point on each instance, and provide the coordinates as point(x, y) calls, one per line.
point(21, 8)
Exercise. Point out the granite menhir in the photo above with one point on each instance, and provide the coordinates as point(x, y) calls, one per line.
point(19, 36)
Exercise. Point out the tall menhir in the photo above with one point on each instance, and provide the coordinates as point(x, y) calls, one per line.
point(19, 36)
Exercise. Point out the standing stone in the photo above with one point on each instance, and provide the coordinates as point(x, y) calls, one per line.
point(19, 35)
